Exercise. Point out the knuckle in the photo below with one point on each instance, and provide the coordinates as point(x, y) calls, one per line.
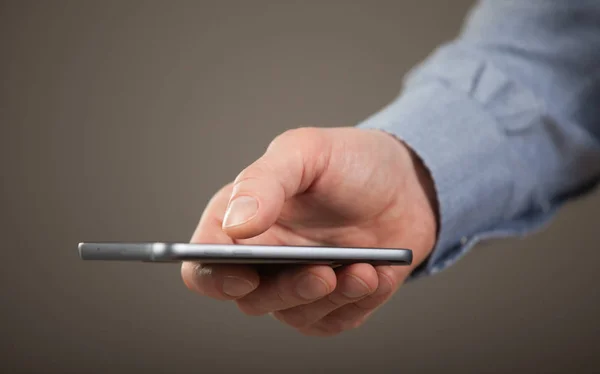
point(367, 304)
point(335, 301)
point(297, 136)
point(258, 173)
point(301, 133)
point(250, 172)
point(272, 299)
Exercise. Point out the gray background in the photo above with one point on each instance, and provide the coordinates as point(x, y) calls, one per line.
point(120, 119)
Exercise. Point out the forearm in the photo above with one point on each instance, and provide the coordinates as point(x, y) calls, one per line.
point(505, 118)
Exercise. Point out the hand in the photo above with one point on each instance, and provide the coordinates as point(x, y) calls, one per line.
point(331, 186)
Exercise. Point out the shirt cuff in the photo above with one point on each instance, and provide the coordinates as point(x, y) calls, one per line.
point(469, 148)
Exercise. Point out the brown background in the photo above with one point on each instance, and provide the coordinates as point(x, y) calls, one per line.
point(120, 119)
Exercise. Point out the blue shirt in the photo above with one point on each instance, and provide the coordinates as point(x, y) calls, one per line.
point(507, 119)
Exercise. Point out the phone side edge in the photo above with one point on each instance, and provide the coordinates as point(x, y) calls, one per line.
point(116, 251)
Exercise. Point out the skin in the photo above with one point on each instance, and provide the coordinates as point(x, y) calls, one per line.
point(319, 186)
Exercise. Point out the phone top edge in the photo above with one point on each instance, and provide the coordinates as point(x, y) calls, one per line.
point(167, 245)
point(163, 251)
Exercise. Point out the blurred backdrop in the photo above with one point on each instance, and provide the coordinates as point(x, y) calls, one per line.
point(120, 119)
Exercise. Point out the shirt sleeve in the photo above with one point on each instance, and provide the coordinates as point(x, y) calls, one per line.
point(506, 117)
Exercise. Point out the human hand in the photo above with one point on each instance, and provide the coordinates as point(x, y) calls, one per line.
point(328, 186)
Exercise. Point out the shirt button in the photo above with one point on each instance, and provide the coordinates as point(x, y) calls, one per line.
point(464, 240)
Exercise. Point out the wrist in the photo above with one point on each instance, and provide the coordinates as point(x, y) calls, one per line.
point(419, 198)
point(425, 183)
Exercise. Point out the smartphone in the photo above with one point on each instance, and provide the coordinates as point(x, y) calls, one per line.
point(242, 254)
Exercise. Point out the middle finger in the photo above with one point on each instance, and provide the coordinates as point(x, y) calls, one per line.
point(290, 288)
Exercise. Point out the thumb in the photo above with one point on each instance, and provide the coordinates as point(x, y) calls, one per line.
point(291, 163)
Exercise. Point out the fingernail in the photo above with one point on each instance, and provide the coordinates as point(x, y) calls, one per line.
point(311, 287)
point(354, 287)
point(240, 210)
point(235, 286)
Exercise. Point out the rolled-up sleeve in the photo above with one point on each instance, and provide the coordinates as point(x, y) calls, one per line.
point(506, 118)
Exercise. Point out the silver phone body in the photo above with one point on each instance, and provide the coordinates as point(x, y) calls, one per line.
point(242, 254)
